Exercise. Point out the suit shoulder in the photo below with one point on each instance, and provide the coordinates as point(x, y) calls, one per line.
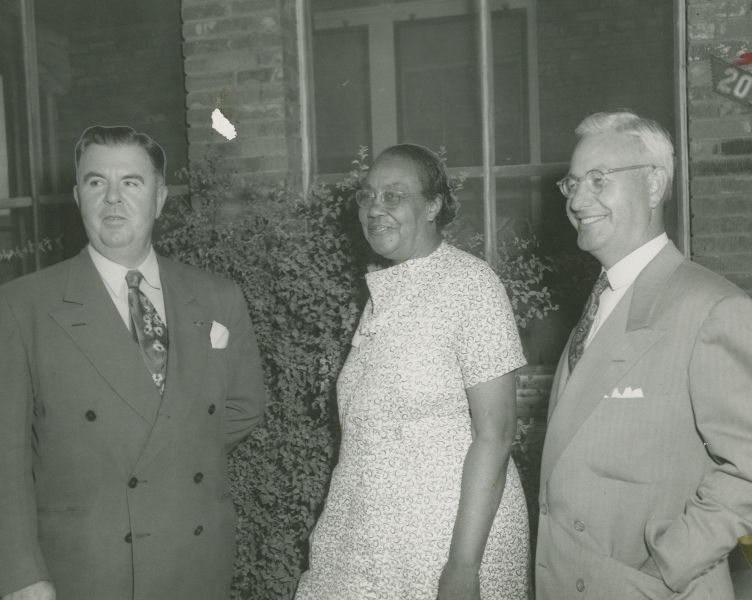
point(199, 278)
point(39, 284)
point(701, 283)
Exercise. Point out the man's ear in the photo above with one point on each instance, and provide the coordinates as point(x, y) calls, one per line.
point(161, 198)
point(75, 196)
point(657, 183)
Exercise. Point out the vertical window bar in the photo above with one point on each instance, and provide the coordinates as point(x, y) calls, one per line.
point(681, 170)
point(308, 158)
point(34, 116)
point(489, 141)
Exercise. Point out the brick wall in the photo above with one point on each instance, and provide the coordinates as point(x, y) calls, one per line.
point(720, 134)
point(241, 57)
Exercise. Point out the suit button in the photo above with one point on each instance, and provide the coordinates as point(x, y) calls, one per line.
point(212, 408)
point(91, 415)
point(198, 530)
point(544, 509)
point(579, 526)
point(132, 482)
point(128, 538)
point(580, 585)
point(198, 477)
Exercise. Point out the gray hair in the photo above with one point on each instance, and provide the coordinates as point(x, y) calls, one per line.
point(651, 139)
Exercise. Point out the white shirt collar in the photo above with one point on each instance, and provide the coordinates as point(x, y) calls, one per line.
point(114, 274)
point(628, 268)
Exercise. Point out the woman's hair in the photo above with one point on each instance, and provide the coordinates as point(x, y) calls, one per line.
point(122, 136)
point(651, 140)
point(433, 177)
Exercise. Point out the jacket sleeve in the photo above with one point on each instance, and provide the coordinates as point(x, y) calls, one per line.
point(720, 388)
point(246, 396)
point(21, 561)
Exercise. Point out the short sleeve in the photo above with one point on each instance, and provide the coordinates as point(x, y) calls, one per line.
point(488, 343)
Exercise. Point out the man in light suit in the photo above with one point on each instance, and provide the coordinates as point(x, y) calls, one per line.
point(646, 476)
point(127, 378)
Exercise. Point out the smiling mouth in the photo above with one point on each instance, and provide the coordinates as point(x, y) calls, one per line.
point(591, 220)
point(378, 230)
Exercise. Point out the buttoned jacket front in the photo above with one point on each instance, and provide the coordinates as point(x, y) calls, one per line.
point(107, 489)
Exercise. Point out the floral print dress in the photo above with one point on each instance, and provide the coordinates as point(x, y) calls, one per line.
point(433, 327)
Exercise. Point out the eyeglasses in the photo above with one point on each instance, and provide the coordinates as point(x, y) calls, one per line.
point(366, 198)
point(595, 180)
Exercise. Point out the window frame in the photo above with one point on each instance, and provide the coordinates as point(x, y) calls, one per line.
point(384, 109)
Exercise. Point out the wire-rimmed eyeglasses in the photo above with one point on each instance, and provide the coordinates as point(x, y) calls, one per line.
point(595, 180)
point(366, 198)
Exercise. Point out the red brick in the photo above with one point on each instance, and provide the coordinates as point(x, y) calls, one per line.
point(720, 205)
point(720, 128)
point(722, 244)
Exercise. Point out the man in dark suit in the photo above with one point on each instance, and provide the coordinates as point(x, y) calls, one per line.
point(127, 378)
point(646, 476)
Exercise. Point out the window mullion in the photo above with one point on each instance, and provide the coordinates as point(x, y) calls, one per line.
point(383, 72)
point(34, 116)
point(489, 131)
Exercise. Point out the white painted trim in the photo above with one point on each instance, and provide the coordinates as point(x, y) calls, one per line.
point(404, 11)
point(306, 94)
point(383, 82)
point(4, 152)
point(681, 171)
point(486, 64)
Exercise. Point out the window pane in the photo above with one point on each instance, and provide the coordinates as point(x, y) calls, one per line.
point(103, 62)
point(15, 224)
point(438, 86)
point(619, 55)
point(342, 96)
point(438, 94)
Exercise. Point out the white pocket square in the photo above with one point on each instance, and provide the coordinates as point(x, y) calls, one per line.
point(627, 393)
point(220, 335)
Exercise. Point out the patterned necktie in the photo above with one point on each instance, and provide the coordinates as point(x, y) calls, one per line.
point(577, 347)
point(150, 332)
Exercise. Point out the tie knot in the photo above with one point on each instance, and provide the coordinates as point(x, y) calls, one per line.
point(601, 284)
point(133, 279)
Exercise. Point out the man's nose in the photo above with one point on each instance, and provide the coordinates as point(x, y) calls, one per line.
point(581, 199)
point(113, 195)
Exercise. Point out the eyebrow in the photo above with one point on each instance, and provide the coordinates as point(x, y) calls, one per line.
point(93, 174)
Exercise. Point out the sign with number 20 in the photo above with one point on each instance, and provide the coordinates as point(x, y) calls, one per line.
point(732, 82)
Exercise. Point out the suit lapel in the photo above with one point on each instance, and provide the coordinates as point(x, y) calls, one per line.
point(93, 322)
point(188, 330)
point(624, 338)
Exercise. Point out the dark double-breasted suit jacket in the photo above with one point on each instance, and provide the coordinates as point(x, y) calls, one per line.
point(649, 444)
point(106, 489)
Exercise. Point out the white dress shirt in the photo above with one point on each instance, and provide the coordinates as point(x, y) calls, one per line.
point(113, 276)
point(621, 276)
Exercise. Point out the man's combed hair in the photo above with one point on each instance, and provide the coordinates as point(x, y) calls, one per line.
point(433, 177)
point(651, 139)
point(122, 136)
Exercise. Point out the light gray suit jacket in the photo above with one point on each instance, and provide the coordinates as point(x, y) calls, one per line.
point(665, 472)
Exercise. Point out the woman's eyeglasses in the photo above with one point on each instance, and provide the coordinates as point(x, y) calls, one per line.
point(595, 180)
point(366, 198)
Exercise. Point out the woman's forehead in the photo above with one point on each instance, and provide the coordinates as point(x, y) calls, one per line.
point(393, 171)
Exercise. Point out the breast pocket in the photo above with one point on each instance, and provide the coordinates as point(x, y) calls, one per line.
point(631, 438)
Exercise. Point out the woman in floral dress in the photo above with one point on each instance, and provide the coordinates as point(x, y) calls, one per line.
point(425, 502)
